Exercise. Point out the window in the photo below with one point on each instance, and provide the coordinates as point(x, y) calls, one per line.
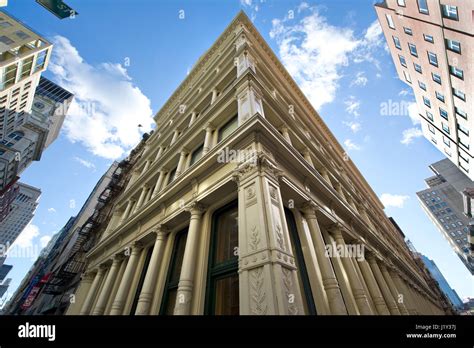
point(40, 60)
point(303, 278)
point(459, 94)
point(432, 130)
point(428, 38)
point(429, 115)
point(436, 78)
point(417, 67)
point(390, 21)
point(407, 76)
point(450, 12)
point(443, 113)
point(22, 35)
point(5, 24)
point(460, 112)
point(456, 72)
point(174, 271)
point(6, 40)
point(439, 96)
point(466, 146)
point(422, 85)
point(413, 50)
point(407, 31)
point(403, 62)
point(432, 58)
point(445, 127)
point(446, 141)
point(26, 66)
point(463, 129)
point(423, 6)
point(401, 3)
point(396, 41)
point(454, 46)
point(461, 155)
point(227, 128)
point(427, 102)
point(172, 175)
point(196, 154)
point(222, 296)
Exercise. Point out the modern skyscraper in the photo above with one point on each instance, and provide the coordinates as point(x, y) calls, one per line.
point(22, 211)
point(431, 43)
point(237, 205)
point(442, 282)
point(443, 203)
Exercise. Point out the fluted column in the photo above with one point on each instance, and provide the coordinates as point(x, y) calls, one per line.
point(325, 175)
point(91, 295)
point(331, 285)
point(140, 199)
point(208, 139)
point(146, 295)
point(159, 183)
point(392, 306)
point(82, 292)
point(127, 278)
point(213, 96)
point(146, 166)
point(127, 210)
point(340, 191)
point(307, 157)
point(186, 278)
point(407, 297)
point(109, 282)
point(193, 118)
point(393, 289)
point(181, 163)
point(159, 153)
point(355, 283)
point(374, 290)
point(175, 136)
point(286, 134)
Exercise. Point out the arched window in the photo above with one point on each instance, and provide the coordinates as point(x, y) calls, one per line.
point(222, 296)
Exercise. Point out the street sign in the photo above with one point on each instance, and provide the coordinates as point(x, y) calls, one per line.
point(58, 8)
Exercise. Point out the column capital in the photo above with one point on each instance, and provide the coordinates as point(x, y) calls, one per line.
point(88, 276)
point(208, 127)
point(260, 162)
point(116, 258)
point(183, 151)
point(336, 229)
point(310, 208)
point(195, 208)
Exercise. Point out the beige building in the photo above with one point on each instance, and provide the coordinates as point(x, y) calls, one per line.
point(431, 43)
point(239, 204)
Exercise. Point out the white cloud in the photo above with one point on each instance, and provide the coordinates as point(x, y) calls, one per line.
point(360, 79)
point(397, 201)
point(25, 239)
point(85, 163)
point(313, 51)
point(246, 2)
point(350, 145)
point(374, 33)
point(51, 210)
point(354, 126)
point(107, 107)
point(413, 113)
point(352, 106)
point(410, 134)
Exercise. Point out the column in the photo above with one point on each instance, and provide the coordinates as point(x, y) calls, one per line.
point(146, 166)
point(249, 101)
point(181, 163)
point(186, 278)
point(407, 297)
point(148, 195)
point(133, 178)
point(307, 157)
point(159, 153)
point(286, 134)
point(109, 282)
point(80, 294)
point(175, 136)
point(127, 210)
point(112, 223)
point(340, 191)
point(373, 288)
point(213, 96)
point(140, 199)
point(124, 288)
point(356, 262)
point(159, 183)
point(91, 294)
point(268, 279)
point(208, 139)
point(325, 175)
point(355, 283)
point(393, 289)
point(392, 306)
point(331, 285)
point(193, 118)
point(148, 288)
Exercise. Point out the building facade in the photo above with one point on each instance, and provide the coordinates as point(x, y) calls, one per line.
point(442, 201)
point(238, 202)
point(22, 211)
point(431, 43)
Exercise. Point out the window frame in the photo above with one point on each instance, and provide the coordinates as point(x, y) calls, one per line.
point(449, 46)
point(446, 13)
point(426, 36)
point(430, 56)
point(423, 11)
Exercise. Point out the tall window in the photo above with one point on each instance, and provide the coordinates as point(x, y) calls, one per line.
point(196, 155)
point(223, 280)
point(427, 102)
point(174, 271)
point(308, 301)
point(40, 60)
point(423, 6)
point(396, 41)
point(227, 128)
point(390, 21)
point(450, 12)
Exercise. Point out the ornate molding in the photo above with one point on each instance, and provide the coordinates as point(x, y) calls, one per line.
point(257, 289)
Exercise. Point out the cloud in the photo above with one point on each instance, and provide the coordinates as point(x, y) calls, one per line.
point(25, 239)
point(44, 241)
point(352, 106)
point(85, 163)
point(397, 201)
point(360, 79)
point(374, 34)
point(107, 107)
point(410, 134)
point(314, 52)
point(350, 145)
point(414, 113)
point(354, 126)
point(51, 210)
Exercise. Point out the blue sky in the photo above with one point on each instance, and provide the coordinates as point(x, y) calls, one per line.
point(123, 59)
